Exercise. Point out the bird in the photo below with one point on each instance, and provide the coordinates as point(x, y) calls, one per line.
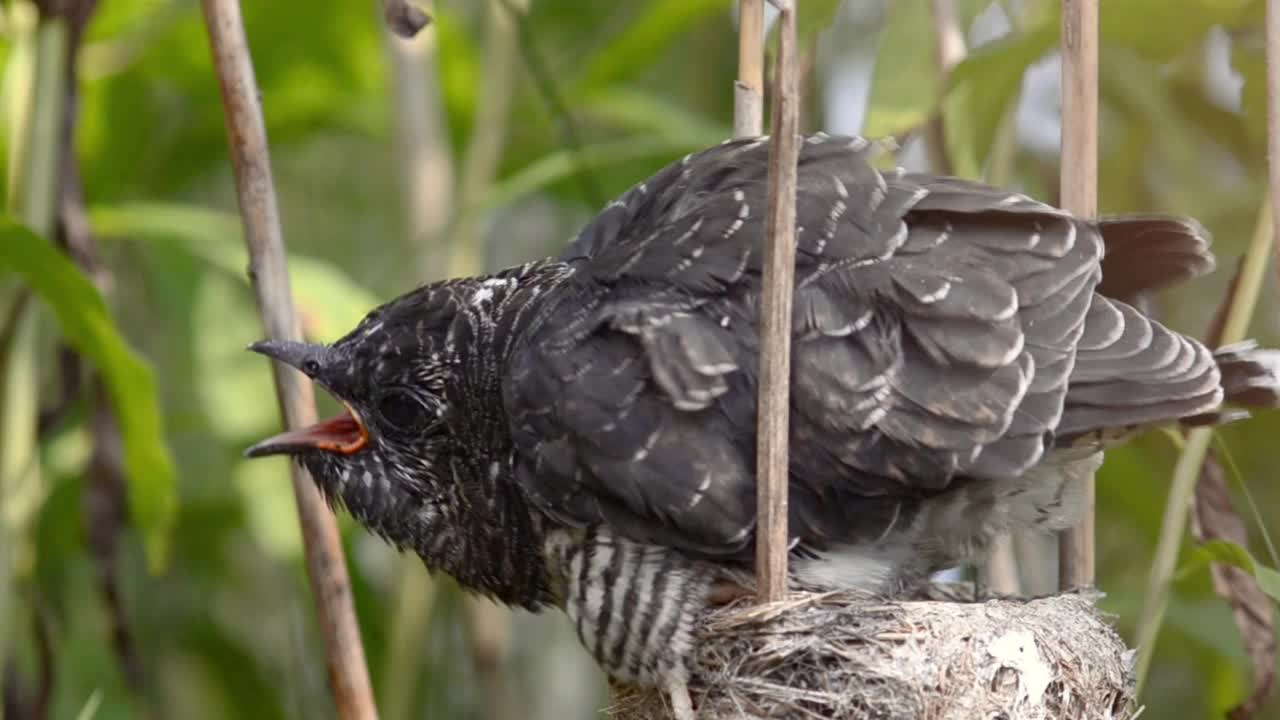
point(579, 432)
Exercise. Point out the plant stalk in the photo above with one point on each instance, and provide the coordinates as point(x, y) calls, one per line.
point(1187, 470)
point(1080, 196)
point(326, 563)
point(748, 90)
point(774, 418)
point(33, 176)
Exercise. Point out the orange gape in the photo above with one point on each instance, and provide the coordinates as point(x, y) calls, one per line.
point(343, 426)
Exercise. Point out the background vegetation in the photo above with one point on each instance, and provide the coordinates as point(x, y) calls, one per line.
point(164, 579)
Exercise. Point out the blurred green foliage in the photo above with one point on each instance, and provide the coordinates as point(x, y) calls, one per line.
point(84, 322)
point(226, 628)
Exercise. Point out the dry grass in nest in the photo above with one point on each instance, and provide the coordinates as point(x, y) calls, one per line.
point(845, 655)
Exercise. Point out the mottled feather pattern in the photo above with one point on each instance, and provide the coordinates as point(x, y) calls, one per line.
point(902, 279)
point(961, 356)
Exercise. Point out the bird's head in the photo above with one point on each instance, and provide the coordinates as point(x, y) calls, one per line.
point(382, 455)
point(416, 454)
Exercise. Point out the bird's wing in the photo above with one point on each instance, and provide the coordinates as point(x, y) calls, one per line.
point(935, 323)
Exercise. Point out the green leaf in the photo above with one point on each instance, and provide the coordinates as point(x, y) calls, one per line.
point(814, 17)
point(1229, 553)
point(1226, 552)
point(560, 164)
point(903, 87)
point(982, 88)
point(87, 326)
point(329, 302)
point(1132, 87)
point(645, 37)
point(1247, 59)
point(1268, 580)
point(636, 110)
point(1130, 24)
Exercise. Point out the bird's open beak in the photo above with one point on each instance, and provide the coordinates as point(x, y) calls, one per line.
point(344, 433)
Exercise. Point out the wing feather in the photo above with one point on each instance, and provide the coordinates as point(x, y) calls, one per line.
point(941, 329)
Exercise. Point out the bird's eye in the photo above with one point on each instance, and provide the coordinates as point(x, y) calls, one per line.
point(403, 411)
point(311, 367)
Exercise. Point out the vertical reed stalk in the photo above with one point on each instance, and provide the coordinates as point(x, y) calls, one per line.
point(247, 141)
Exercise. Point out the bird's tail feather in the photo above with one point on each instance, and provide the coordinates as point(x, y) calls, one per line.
point(1133, 373)
point(1145, 253)
point(1250, 381)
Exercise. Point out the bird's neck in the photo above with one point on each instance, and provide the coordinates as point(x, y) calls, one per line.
point(499, 549)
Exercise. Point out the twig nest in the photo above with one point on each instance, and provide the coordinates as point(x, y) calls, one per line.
point(845, 655)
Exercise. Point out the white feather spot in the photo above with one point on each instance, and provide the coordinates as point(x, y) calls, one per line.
point(1071, 237)
point(1007, 311)
point(936, 295)
point(643, 452)
point(712, 370)
point(693, 229)
point(895, 242)
point(699, 492)
point(877, 197)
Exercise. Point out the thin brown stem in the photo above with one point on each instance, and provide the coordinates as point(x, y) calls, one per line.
point(422, 144)
point(1079, 195)
point(948, 51)
point(481, 158)
point(748, 91)
point(247, 140)
point(773, 420)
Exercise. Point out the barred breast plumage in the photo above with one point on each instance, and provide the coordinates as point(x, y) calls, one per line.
point(580, 432)
point(632, 605)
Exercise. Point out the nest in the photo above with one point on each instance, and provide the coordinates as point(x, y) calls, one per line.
point(847, 655)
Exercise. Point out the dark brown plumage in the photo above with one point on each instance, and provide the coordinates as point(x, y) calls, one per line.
point(581, 431)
